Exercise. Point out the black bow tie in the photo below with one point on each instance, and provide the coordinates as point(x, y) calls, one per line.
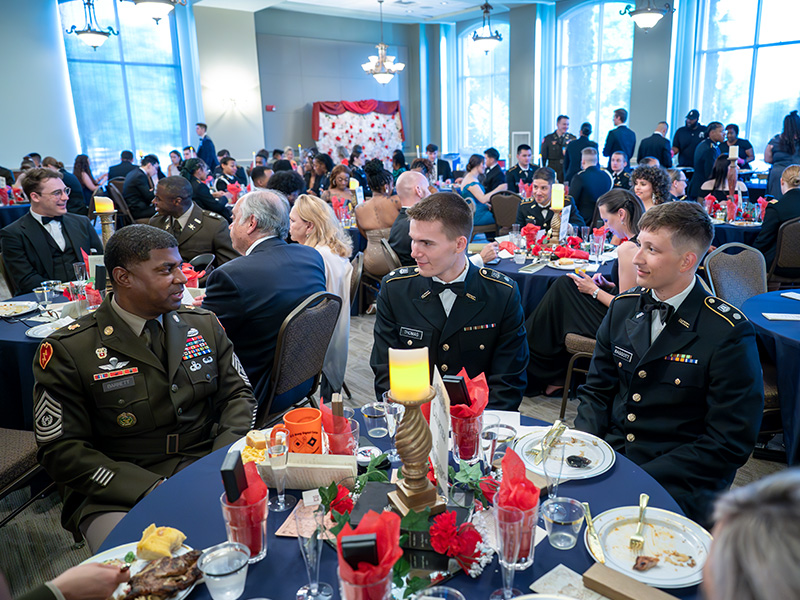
point(456, 287)
point(650, 305)
point(46, 220)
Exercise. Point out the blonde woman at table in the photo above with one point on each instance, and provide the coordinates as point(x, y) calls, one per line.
point(577, 303)
point(312, 223)
point(376, 216)
point(776, 214)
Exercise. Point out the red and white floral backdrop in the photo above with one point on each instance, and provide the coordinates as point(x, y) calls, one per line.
point(376, 126)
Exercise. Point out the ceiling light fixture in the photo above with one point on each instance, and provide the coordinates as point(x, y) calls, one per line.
point(92, 35)
point(158, 9)
point(382, 67)
point(486, 40)
point(648, 16)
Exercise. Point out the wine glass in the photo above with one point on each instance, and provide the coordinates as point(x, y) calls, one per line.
point(488, 439)
point(394, 414)
point(508, 536)
point(278, 456)
point(80, 271)
point(553, 466)
point(311, 549)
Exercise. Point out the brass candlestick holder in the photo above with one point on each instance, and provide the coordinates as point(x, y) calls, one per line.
point(555, 228)
point(413, 442)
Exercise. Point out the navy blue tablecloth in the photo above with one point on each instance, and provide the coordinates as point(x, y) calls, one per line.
point(725, 233)
point(190, 502)
point(9, 214)
point(359, 241)
point(782, 341)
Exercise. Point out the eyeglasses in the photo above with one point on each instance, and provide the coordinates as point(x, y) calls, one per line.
point(58, 193)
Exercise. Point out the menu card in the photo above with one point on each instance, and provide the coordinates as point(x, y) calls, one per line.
point(440, 431)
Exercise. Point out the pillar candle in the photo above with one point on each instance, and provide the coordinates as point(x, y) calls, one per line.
point(557, 197)
point(418, 156)
point(733, 152)
point(103, 204)
point(409, 373)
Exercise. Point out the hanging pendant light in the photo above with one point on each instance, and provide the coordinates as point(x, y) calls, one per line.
point(382, 67)
point(647, 17)
point(158, 9)
point(486, 40)
point(91, 34)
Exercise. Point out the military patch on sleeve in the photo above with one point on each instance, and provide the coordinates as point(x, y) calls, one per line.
point(47, 419)
point(102, 476)
point(45, 354)
point(240, 370)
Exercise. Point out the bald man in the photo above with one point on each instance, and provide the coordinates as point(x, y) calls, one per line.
point(658, 146)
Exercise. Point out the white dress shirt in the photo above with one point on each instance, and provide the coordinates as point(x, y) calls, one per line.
point(448, 297)
point(656, 326)
point(257, 242)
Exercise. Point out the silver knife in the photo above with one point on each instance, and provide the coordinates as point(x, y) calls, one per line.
point(594, 540)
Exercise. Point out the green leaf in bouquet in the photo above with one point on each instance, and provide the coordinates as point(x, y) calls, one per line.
point(416, 521)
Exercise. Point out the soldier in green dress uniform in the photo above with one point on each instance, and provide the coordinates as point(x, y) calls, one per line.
point(554, 146)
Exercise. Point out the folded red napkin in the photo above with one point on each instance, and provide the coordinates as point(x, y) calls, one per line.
point(508, 247)
point(599, 231)
point(234, 189)
point(478, 391)
point(334, 427)
point(525, 189)
point(93, 295)
point(574, 241)
point(4, 195)
point(529, 232)
point(516, 490)
point(731, 207)
point(762, 203)
point(191, 275)
point(386, 527)
point(562, 252)
point(248, 522)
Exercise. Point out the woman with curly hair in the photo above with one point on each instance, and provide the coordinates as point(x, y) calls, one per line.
point(375, 217)
point(651, 184)
point(83, 172)
point(425, 166)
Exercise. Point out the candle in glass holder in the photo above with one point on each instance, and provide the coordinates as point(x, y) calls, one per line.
point(557, 197)
point(409, 373)
point(733, 152)
point(103, 204)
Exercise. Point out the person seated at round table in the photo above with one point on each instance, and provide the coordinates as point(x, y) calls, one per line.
point(472, 191)
point(425, 166)
point(175, 163)
point(376, 216)
point(75, 204)
point(577, 303)
point(399, 165)
point(651, 185)
point(781, 151)
point(537, 210)
point(313, 223)
point(196, 171)
point(717, 183)
point(340, 186)
point(677, 184)
point(776, 214)
point(317, 178)
point(83, 171)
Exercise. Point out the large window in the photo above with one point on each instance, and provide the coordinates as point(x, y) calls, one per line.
point(483, 94)
point(127, 93)
point(593, 68)
point(747, 57)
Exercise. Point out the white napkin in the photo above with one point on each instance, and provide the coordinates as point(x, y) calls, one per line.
point(792, 295)
point(505, 254)
point(781, 317)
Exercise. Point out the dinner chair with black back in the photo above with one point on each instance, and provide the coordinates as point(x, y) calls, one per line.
point(6, 283)
point(19, 468)
point(504, 207)
point(787, 256)
point(300, 352)
point(124, 216)
point(203, 262)
point(581, 348)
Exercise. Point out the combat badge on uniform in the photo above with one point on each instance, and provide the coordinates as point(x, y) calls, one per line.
point(45, 354)
point(126, 419)
point(47, 418)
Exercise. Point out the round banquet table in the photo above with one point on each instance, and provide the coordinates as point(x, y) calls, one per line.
point(782, 341)
point(533, 286)
point(9, 214)
point(359, 241)
point(189, 501)
point(744, 234)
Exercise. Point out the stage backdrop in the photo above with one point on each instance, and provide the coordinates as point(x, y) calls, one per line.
point(375, 125)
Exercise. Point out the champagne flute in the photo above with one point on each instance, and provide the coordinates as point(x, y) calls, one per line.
point(553, 466)
point(394, 413)
point(508, 535)
point(278, 456)
point(311, 549)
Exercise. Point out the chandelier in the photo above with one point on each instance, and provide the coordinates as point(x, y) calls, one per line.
point(91, 34)
point(486, 40)
point(646, 17)
point(158, 9)
point(382, 67)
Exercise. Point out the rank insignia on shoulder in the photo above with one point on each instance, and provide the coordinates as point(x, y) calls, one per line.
point(73, 327)
point(684, 358)
point(101, 353)
point(126, 419)
point(45, 354)
point(192, 226)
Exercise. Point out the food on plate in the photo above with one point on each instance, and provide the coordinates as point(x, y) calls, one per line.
point(164, 577)
point(645, 563)
point(158, 542)
point(578, 462)
point(565, 261)
point(674, 557)
point(10, 309)
point(255, 447)
point(256, 439)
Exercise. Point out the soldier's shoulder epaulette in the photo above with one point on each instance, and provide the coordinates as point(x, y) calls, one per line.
point(191, 309)
point(496, 276)
point(634, 292)
point(212, 214)
point(513, 169)
point(402, 273)
point(82, 324)
point(722, 309)
point(529, 201)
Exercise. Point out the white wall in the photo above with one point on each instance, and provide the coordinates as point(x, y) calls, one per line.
point(229, 80)
point(36, 102)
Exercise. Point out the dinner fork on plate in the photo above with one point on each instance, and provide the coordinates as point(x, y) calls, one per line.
point(637, 539)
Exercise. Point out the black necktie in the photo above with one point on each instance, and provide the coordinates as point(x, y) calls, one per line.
point(46, 220)
point(156, 340)
point(650, 305)
point(456, 287)
point(176, 227)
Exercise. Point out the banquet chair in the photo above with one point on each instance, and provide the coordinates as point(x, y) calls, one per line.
point(124, 216)
point(372, 281)
point(19, 468)
point(736, 277)
point(6, 283)
point(787, 256)
point(580, 348)
point(355, 278)
point(300, 352)
point(504, 207)
point(391, 255)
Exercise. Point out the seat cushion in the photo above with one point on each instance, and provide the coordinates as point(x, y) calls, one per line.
point(577, 343)
point(17, 454)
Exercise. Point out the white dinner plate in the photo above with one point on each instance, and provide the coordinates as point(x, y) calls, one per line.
point(45, 329)
point(589, 267)
point(119, 553)
point(717, 221)
point(667, 536)
point(17, 308)
point(577, 442)
point(746, 223)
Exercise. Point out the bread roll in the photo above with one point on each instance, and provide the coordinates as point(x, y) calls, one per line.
point(565, 261)
point(158, 542)
point(256, 439)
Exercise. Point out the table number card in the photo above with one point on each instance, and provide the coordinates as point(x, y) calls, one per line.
point(440, 431)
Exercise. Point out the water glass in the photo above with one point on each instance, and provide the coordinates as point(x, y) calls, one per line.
point(519, 256)
point(375, 419)
point(311, 549)
point(247, 524)
point(278, 452)
point(440, 591)
point(379, 590)
point(508, 536)
point(344, 441)
point(563, 518)
point(596, 247)
point(493, 437)
point(553, 466)
point(224, 569)
point(467, 437)
point(80, 271)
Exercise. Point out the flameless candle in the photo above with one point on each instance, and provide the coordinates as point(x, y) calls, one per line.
point(418, 151)
point(733, 152)
point(409, 374)
point(103, 204)
point(557, 197)
point(353, 183)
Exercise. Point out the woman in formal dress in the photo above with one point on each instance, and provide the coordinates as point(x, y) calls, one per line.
point(375, 217)
point(472, 191)
point(196, 171)
point(677, 184)
point(175, 164)
point(651, 185)
point(356, 165)
point(717, 183)
point(399, 165)
point(340, 186)
point(82, 170)
point(318, 177)
point(781, 151)
point(577, 303)
point(312, 223)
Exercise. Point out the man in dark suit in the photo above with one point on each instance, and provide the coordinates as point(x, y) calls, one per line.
point(43, 244)
point(572, 156)
point(675, 381)
point(467, 317)
point(443, 171)
point(657, 145)
point(705, 155)
point(138, 189)
point(494, 178)
point(620, 138)
point(253, 294)
point(198, 231)
point(124, 167)
point(206, 150)
point(76, 204)
point(588, 185)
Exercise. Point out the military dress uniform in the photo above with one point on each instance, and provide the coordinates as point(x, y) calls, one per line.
point(775, 215)
point(622, 179)
point(205, 232)
point(111, 420)
point(530, 211)
point(686, 408)
point(484, 333)
point(516, 174)
point(553, 148)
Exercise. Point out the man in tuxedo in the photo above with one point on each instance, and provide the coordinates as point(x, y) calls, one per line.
point(588, 185)
point(124, 167)
point(253, 294)
point(467, 317)
point(620, 171)
point(206, 150)
point(43, 244)
point(198, 231)
point(442, 169)
point(657, 145)
point(494, 178)
point(537, 211)
point(139, 190)
point(572, 155)
point(705, 155)
point(621, 138)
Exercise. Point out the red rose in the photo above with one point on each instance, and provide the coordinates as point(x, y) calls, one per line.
point(338, 139)
point(372, 124)
point(333, 125)
point(343, 503)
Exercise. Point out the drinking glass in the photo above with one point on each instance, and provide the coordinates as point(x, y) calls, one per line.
point(311, 549)
point(586, 236)
point(224, 569)
point(488, 439)
point(553, 466)
point(467, 437)
point(378, 590)
point(394, 414)
point(519, 256)
point(278, 456)
point(596, 247)
point(80, 271)
point(562, 520)
point(247, 524)
point(508, 536)
point(440, 591)
point(375, 419)
point(493, 437)
point(344, 441)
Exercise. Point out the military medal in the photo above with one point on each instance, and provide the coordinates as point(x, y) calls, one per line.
point(196, 346)
point(101, 353)
point(112, 374)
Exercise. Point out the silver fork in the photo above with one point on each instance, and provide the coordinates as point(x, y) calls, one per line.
point(637, 539)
